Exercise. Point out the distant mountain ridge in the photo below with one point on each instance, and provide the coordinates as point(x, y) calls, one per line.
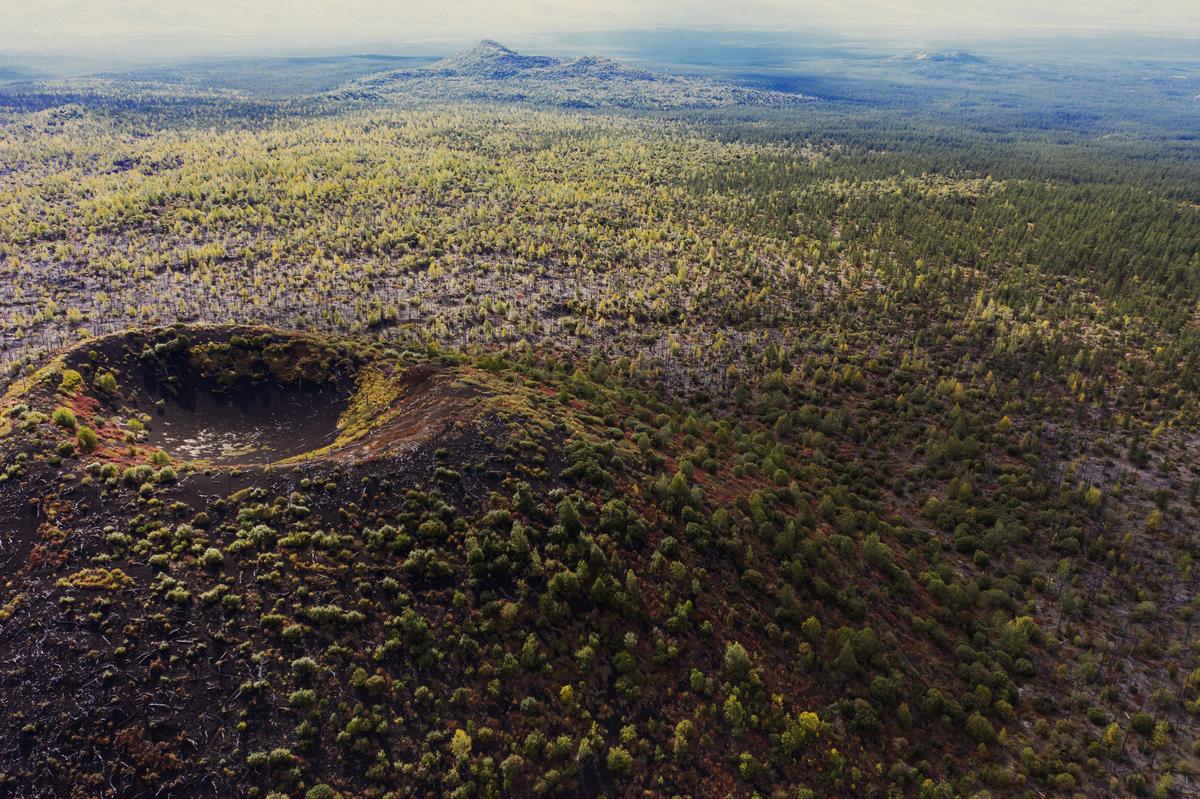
point(491, 59)
point(954, 57)
point(490, 71)
point(16, 72)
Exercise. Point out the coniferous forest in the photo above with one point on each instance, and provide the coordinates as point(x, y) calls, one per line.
point(510, 425)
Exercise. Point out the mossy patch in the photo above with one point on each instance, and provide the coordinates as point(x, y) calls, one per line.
point(98, 579)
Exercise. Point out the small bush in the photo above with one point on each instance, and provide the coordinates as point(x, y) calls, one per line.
point(304, 667)
point(304, 698)
point(212, 557)
point(71, 380)
point(737, 661)
point(619, 760)
point(106, 382)
point(1142, 723)
point(64, 417)
point(460, 744)
point(980, 729)
point(86, 438)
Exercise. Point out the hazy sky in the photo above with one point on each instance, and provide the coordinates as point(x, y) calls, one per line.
point(42, 23)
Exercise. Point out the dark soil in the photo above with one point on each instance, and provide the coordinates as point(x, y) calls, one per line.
point(19, 520)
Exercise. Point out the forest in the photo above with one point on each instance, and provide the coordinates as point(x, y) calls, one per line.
point(356, 445)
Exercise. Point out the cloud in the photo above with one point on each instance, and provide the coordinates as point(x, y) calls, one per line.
point(346, 21)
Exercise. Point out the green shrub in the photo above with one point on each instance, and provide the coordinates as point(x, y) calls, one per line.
point(980, 729)
point(304, 667)
point(1142, 723)
point(212, 557)
point(71, 380)
point(460, 744)
point(86, 438)
point(619, 760)
point(321, 791)
point(737, 661)
point(304, 698)
point(106, 382)
point(64, 417)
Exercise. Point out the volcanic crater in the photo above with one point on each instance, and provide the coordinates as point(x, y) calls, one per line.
point(255, 397)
